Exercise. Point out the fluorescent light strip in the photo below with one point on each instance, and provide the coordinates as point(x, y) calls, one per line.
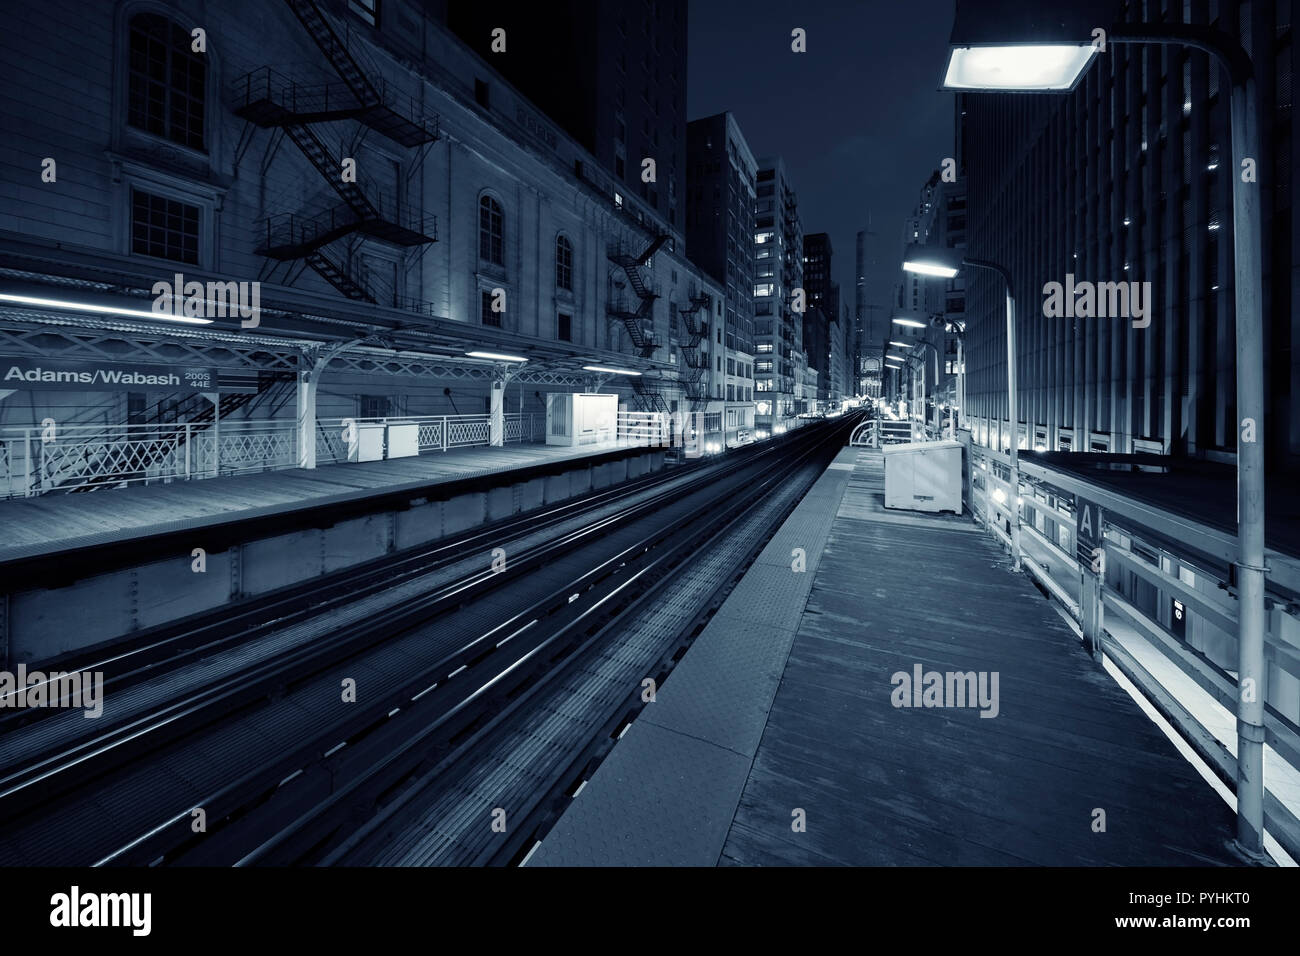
point(498, 356)
point(612, 371)
point(100, 309)
point(910, 323)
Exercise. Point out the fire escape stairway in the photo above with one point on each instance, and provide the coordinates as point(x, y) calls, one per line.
point(330, 169)
point(655, 246)
point(267, 99)
point(337, 276)
point(313, 19)
point(695, 363)
point(649, 392)
point(635, 322)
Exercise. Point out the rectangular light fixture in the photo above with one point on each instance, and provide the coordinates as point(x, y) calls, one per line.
point(930, 269)
point(901, 345)
point(611, 371)
point(101, 309)
point(497, 356)
point(1018, 67)
point(910, 323)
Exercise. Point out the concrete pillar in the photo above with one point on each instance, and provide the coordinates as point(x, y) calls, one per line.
point(306, 406)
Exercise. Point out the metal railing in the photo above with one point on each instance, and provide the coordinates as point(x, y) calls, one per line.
point(1155, 598)
point(61, 458)
point(885, 431)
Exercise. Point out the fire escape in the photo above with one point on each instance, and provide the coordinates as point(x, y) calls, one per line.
point(268, 99)
point(693, 378)
point(640, 324)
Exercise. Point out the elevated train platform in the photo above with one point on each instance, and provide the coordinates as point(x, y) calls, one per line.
point(63, 526)
point(792, 732)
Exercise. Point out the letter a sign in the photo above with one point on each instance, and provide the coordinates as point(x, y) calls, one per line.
point(1087, 530)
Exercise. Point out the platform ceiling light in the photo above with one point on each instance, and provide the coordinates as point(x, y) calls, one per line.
point(101, 309)
point(611, 371)
point(910, 323)
point(1018, 67)
point(497, 356)
point(901, 345)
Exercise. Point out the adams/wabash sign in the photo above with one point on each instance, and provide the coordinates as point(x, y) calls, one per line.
point(36, 373)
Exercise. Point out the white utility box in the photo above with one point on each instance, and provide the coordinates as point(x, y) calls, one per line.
point(403, 439)
point(924, 476)
point(581, 418)
point(369, 442)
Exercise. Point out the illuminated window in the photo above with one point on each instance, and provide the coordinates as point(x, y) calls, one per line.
point(764, 288)
point(762, 237)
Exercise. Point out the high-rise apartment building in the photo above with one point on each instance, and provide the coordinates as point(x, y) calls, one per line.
point(720, 240)
point(778, 273)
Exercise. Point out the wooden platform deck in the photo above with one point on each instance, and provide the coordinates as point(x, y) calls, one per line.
point(1068, 772)
point(883, 784)
point(32, 527)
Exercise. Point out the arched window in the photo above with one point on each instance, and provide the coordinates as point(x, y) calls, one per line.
point(563, 263)
point(167, 87)
point(491, 232)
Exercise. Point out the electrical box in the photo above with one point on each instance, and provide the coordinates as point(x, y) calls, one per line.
point(581, 418)
point(924, 476)
point(368, 444)
point(403, 439)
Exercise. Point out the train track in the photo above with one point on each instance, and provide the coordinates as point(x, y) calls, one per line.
point(205, 774)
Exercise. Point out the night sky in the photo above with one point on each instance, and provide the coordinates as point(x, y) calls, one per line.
point(858, 119)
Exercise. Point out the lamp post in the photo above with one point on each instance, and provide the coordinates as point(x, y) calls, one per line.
point(1038, 57)
point(945, 263)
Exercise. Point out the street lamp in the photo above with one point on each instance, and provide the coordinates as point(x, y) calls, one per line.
point(948, 263)
point(980, 61)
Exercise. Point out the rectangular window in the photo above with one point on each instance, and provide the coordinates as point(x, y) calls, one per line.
point(564, 330)
point(764, 288)
point(164, 228)
point(486, 315)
